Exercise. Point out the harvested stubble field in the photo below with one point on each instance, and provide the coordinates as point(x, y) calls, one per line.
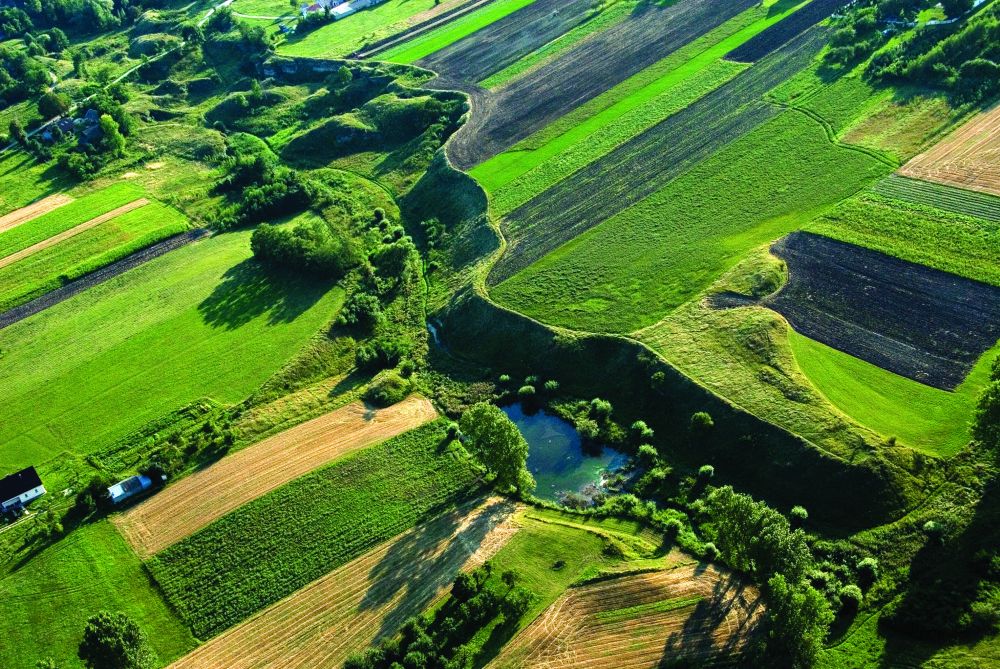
point(968, 158)
point(25, 214)
point(696, 613)
point(516, 110)
point(774, 37)
point(947, 198)
point(272, 546)
point(647, 162)
point(370, 597)
point(423, 24)
point(499, 44)
point(921, 323)
point(198, 500)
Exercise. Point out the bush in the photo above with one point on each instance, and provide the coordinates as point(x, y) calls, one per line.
point(701, 422)
point(710, 551)
point(850, 598)
point(551, 386)
point(388, 388)
point(600, 408)
point(706, 472)
point(311, 248)
point(588, 429)
point(504, 379)
point(799, 514)
point(934, 530)
point(362, 309)
point(648, 455)
point(867, 571)
point(641, 432)
point(526, 393)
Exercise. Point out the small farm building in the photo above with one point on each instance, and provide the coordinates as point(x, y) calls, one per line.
point(20, 488)
point(130, 486)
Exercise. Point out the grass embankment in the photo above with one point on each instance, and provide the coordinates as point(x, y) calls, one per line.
point(632, 269)
point(278, 543)
point(93, 368)
point(508, 176)
point(81, 254)
point(437, 39)
point(90, 570)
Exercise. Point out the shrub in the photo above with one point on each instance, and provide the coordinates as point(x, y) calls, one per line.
point(799, 514)
point(589, 429)
point(388, 388)
point(710, 551)
point(363, 309)
point(867, 571)
point(641, 432)
point(850, 598)
point(551, 386)
point(600, 408)
point(311, 248)
point(505, 379)
point(648, 455)
point(673, 527)
point(526, 393)
point(706, 472)
point(701, 422)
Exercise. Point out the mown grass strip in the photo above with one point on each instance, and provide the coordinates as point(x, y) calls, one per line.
point(631, 612)
point(437, 39)
point(278, 543)
point(947, 198)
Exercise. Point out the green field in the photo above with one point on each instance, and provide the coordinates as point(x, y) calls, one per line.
point(340, 38)
point(68, 216)
point(47, 600)
point(91, 369)
point(26, 180)
point(948, 198)
point(278, 543)
point(264, 8)
point(437, 39)
point(630, 270)
point(50, 268)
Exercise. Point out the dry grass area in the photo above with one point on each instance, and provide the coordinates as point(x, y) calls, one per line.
point(698, 613)
point(366, 599)
point(33, 210)
point(968, 158)
point(66, 234)
point(195, 501)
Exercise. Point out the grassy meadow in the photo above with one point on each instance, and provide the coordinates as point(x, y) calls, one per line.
point(26, 180)
point(184, 326)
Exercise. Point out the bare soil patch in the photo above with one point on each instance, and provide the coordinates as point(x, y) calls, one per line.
point(921, 323)
point(195, 501)
point(33, 210)
point(66, 234)
point(968, 158)
point(697, 613)
point(366, 599)
point(770, 39)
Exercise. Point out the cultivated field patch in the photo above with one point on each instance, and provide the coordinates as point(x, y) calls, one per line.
point(940, 196)
point(34, 210)
point(772, 38)
point(695, 613)
point(968, 158)
point(368, 598)
point(197, 500)
point(918, 322)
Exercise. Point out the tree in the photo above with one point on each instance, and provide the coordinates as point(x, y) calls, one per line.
point(986, 420)
point(798, 619)
point(114, 641)
point(497, 443)
point(956, 8)
point(53, 104)
point(17, 133)
point(113, 141)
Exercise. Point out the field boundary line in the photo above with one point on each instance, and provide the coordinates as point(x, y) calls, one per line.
point(832, 136)
point(32, 211)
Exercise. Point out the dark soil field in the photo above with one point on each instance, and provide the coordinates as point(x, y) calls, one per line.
point(647, 162)
point(496, 46)
point(771, 39)
point(501, 119)
point(921, 323)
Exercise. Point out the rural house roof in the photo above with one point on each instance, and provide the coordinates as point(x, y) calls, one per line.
point(18, 483)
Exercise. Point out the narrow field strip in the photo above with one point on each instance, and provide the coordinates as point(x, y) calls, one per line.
point(940, 196)
point(66, 234)
point(366, 599)
point(195, 501)
point(779, 34)
point(34, 210)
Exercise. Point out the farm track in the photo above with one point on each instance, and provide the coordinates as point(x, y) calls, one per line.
point(197, 500)
point(940, 196)
point(33, 210)
point(97, 277)
point(774, 37)
point(918, 322)
point(423, 23)
point(967, 158)
point(528, 103)
point(696, 613)
point(499, 44)
point(647, 162)
point(364, 600)
point(72, 232)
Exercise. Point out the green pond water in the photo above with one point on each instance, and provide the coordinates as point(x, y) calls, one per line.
point(556, 456)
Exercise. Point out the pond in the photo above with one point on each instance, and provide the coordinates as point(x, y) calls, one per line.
point(557, 458)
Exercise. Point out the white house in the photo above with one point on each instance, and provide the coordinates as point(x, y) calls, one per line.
point(130, 486)
point(20, 488)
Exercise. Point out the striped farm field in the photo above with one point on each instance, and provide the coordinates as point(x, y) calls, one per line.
point(695, 613)
point(967, 158)
point(198, 500)
point(33, 210)
point(364, 600)
point(947, 198)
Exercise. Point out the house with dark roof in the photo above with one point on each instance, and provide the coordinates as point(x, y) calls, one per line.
point(19, 488)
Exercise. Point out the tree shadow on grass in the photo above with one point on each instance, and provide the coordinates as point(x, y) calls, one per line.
point(420, 563)
point(248, 291)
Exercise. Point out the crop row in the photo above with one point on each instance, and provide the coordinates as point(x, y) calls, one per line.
point(771, 39)
point(278, 543)
point(947, 198)
point(595, 65)
point(645, 164)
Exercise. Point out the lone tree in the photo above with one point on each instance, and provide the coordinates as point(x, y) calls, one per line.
point(497, 443)
point(114, 641)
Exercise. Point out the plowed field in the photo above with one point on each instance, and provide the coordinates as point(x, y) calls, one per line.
point(25, 214)
point(780, 33)
point(694, 613)
point(969, 157)
point(194, 502)
point(366, 599)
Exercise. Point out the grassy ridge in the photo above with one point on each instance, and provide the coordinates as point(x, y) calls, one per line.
point(630, 270)
point(437, 39)
point(179, 328)
point(50, 268)
point(278, 543)
point(68, 216)
point(47, 600)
